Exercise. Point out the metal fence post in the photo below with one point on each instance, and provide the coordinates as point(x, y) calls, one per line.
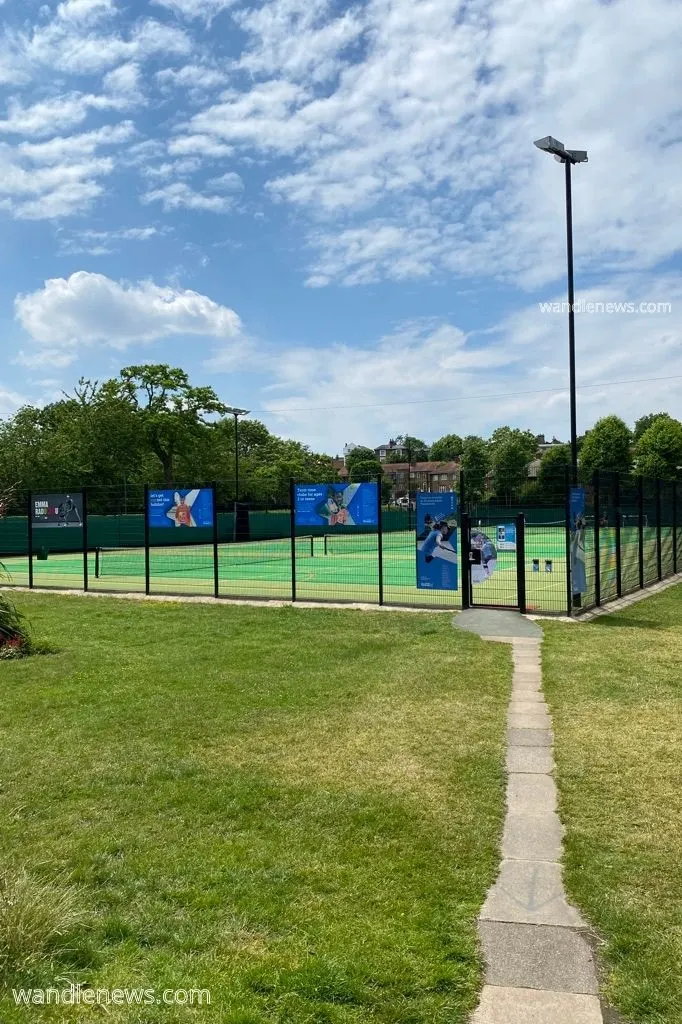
point(567, 517)
point(640, 529)
point(84, 499)
point(597, 540)
point(465, 560)
point(216, 572)
point(659, 554)
point(675, 526)
point(292, 527)
point(521, 561)
point(146, 539)
point(380, 540)
point(619, 567)
point(29, 518)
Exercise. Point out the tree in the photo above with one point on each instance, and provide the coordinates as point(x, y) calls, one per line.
point(608, 446)
point(369, 469)
point(360, 454)
point(509, 460)
point(446, 448)
point(644, 422)
point(658, 452)
point(475, 465)
point(552, 473)
point(170, 409)
point(417, 450)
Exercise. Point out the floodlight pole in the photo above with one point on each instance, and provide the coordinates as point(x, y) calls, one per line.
point(236, 413)
point(568, 157)
point(571, 325)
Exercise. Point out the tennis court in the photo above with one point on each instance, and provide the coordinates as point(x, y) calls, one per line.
point(334, 567)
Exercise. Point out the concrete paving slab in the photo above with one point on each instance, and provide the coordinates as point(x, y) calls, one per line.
point(531, 794)
point(530, 892)
point(538, 957)
point(491, 622)
point(530, 759)
point(532, 837)
point(529, 737)
point(528, 707)
point(525, 1006)
point(522, 720)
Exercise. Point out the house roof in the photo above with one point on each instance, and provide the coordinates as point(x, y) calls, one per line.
point(421, 467)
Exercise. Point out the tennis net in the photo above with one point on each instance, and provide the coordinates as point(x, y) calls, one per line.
point(196, 559)
point(367, 543)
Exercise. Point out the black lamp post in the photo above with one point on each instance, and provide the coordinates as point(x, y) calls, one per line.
point(568, 157)
point(236, 413)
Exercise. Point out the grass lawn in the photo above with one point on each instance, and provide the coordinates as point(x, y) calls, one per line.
point(615, 690)
point(299, 810)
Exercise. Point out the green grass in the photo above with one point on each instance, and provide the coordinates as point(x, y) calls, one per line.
point(299, 810)
point(615, 691)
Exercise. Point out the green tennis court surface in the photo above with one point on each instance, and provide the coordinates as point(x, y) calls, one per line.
point(339, 567)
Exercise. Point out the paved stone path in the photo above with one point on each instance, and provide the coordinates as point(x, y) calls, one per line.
point(539, 967)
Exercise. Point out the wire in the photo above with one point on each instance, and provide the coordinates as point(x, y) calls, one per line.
point(475, 398)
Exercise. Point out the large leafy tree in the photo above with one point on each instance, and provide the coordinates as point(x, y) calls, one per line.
point(608, 446)
point(446, 448)
point(475, 466)
point(644, 422)
point(552, 473)
point(171, 410)
point(658, 452)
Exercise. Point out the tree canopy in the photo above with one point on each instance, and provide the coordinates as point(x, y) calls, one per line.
point(658, 452)
point(608, 446)
point(446, 448)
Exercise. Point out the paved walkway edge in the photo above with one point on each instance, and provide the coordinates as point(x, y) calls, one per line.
point(539, 967)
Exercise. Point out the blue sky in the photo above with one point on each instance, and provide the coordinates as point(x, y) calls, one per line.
point(334, 213)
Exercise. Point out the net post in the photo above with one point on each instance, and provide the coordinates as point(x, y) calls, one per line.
point(619, 567)
point(146, 539)
point(521, 562)
point(640, 530)
point(84, 500)
point(380, 541)
point(675, 526)
point(98, 569)
point(292, 527)
point(597, 540)
point(567, 517)
point(216, 573)
point(659, 555)
point(466, 563)
point(29, 519)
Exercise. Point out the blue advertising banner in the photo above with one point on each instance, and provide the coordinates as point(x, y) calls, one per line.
point(506, 537)
point(336, 504)
point(181, 507)
point(577, 525)
point(437, 541)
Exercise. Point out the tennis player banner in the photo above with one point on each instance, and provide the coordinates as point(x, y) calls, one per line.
point(57, 509)
point(577, 525)
point(336, 505)
point(437, 541)
point(181, 508)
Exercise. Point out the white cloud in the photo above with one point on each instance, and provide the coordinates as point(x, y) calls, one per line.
point(61, 148)
point(92, 309)
point(195, 77)
point(429, 378)
point(228, 182)
point(102, 243)
point(202, 145)
point(416, 118)
point(204, 9)
point(179, 195)
point(85, 10)
point(57, 358)
point(10, 401)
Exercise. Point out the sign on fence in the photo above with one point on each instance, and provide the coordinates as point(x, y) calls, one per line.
point(577, 525)
point(57, 509)
point(506, 537)
point(181, 507)
point(437, 541)
point(336, 505)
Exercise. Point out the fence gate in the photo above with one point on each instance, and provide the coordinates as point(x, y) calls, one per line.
point(493, 562)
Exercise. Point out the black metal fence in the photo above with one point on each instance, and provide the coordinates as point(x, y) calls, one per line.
point(632, 539)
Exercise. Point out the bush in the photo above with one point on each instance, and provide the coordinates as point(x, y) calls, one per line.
point(15, 639)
